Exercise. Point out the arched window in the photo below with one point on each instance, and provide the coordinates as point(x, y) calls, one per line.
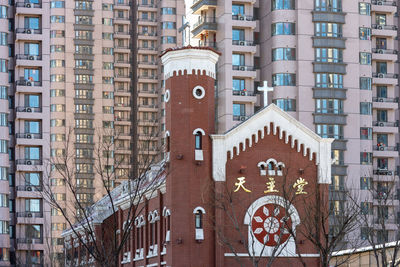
point(198, 220)
point(198, 140)
point(271, 166)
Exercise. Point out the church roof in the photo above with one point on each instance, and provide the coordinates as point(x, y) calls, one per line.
point(235, 139)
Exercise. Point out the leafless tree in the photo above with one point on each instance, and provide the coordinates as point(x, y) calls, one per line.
point(77, 210)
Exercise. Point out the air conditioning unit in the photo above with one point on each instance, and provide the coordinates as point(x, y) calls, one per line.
point(380, 51)
point(29, 215)
point(380, 99)
point(242, 93)
point(242, 118)
point(241, 43)
point(381, 124)
point(381, 148)
point(28, 110)
point(395, 75)
point(32, 57)
point(380, 27)
point(381, 75)
point(28, 31)
point(28, 162)
point(28, 5)
point(29, 136)
point(395, 28)
point(395, 51)
point(242, 68)
point(389, 173)
point(241, 17)
point(28, 84)
point(28, 188)
point(380, 3)
point(394, 4)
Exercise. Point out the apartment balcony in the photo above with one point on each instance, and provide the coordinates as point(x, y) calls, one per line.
point(122, 20)
point(147, 21)
point(244, 71)
point(30, 214)
point(29, 241)
point(204, 25)
point(28, 34)
point(122, 5)
point(199, 6)
point(385, 78)
point(28, 60)
point(381, 199)
point(240, 118)
point(27, 4)
point(121, 35)
point(29, 139)
point(208, 44)
point(384, 6)
point(148, 107)
point(384, 30)
point(148, 122)
point(385, 151)
point(244, 96)
point(244, 46)
point(385, 103)
point(148, 77)
point(384, 54)
point(30, 244)
point(28, 83)
point(29, 162)
point(385, 127)
point(29, 109)
point(242, 20)
point(25, 7)
point(148, 5)
point(148, 50)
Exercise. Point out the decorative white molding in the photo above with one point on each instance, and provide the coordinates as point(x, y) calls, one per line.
point(167, 96)
point(202, 94)
point(246, 255)
point(199, 209)
point(256, 125)
point(189, 59)
point(199, 130)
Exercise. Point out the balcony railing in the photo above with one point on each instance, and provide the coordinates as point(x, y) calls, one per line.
point(147, 5)
point(27, 4)
point(148, 77)
point(385, 148)
point(208, 44)
point(243, 68)
point(148, 106)
point(385, 221)
point(243, 43)
point(243, 93)
point(29, 135)
point(30, 214)
point(147, 63)
point(384, 51)
point(29, 109)
point(29, 57)
point(384, 172)
point(33, 188)
point(384, 27)
point(28, 83)
point(385, 75)
point(29, 240)
point(29, 162)
point(384, 124)
point(243, 17)
point(385, 99)
point(203, 20)
point(384, 3)
point(28, 31)
point(148, 33)
point(148, 120)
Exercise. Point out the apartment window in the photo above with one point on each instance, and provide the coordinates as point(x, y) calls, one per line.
point(57, 137)
point(84, 168)
point(84, 138)
point(83, 5)
point(366, 208)
point(57, 33)
point(168, 40)
point(332, 55)
point(365, 108)
point(238, 59)
point(57, 19)
point(329, 80)
point(57, 181)
point(283, 4)
point(83, 78)
point(4, 254)
point(87, 20)
point(3, 146)
point(57, 48)
point(4, 200)
point(107, 7)
point(239, 110)
point(57, 123)
point(55, 63)
point(4, 173)
point(4, 227)
point(59, 197)
point(3, 38)
point(108, 109)
point(285, 104)
point(366, 158)
point(57, 92)
point(56, 212)
point(365, 58)
point(3, 65)
point(58, 226)
point(84, 64)
point(4, 119)
point(84, 124)
point(57, 4)
point(84, 35)
point(169, 25)
point(3, 12)
point(382, 115)
point(168, 11)
point(284, 79)
point(57, 107)
point(329, 106)
point(365, 183)
point(237, 9)
point(328, 5)
point(283, 28)
point(107, 21)
point(365, 133)
point(283, 53)
point(84, 108)
point(365, 83)
point(327, 29)
point(57, 78)
point(238, 84)
point(108, 95)
point(108, 51)
point(108, 80)
point(3, 92)
point(330, 131)
point(365, 33)
point(108, 66)
point(107, 36)
point(380, 19)
point(364, 8)
point(108, 124)
point(381, 67)
point(84, 49)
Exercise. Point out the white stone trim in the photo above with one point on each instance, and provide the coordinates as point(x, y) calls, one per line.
point(188, 60)
point(199, 209)
point(166, 134)
point(199, 130)
point(254, 126)
point(295, 255)
point(167, 96)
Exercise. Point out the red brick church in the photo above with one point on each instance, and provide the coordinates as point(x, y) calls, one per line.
point(222, 199)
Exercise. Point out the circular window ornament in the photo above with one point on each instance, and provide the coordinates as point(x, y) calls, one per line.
point(167, 96)
point(199, 92)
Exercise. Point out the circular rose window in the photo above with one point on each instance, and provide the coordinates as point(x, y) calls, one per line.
point(270, 225)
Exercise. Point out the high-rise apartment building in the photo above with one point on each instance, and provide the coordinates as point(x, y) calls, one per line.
point(65, 75)
point(333, 66)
